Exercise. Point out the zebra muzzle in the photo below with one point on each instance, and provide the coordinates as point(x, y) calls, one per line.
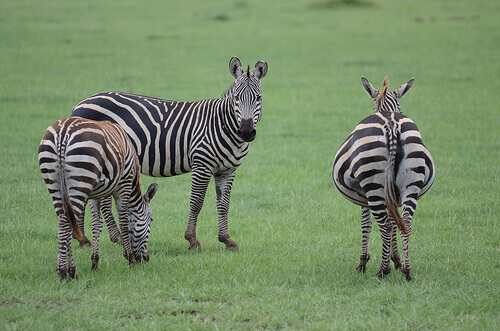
point(247, 131)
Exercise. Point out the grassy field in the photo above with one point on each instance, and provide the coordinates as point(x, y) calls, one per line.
point(299, 240)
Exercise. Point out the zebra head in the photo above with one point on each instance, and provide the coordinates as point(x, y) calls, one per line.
point(247, 97)
point(140, 218)
point(386, 100)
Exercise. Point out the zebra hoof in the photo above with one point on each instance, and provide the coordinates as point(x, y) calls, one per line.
point(383, 272)
point(361, 268)
point(397, 261)
point(117, 240)
point(95, 261)
point(195, 246)
point(406, 272)
point(362, 263)
point(85, 242)
point(232, 248)
point(231, 245)
point(63, 274)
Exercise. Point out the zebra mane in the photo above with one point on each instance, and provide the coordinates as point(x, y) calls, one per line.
point(229, 91)
point(381, 97)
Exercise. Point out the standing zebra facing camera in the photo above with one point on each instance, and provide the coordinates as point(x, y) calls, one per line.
point(207, 137)
point(82, 159)
point(381, 165)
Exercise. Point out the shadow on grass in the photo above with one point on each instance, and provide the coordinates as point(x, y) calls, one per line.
point(333, 4)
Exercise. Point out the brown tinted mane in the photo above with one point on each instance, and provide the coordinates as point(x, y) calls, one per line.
point(381, 97)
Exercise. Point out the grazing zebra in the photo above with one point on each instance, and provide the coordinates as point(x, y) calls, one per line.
point(82, 159)
point(207, 137)
point(381, 165)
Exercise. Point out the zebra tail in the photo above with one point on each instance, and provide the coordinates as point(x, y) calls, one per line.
point(67, 207)
point(390, 186)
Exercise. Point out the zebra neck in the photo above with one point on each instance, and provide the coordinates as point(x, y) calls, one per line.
point(229, 123)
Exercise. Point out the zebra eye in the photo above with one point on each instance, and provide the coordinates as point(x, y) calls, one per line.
point(259, 97)
point(236, 98)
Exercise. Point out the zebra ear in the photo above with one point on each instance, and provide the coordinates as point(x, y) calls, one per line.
point(369, 88)
point(235, 67)
point(150, 193)
point(404, 89)
point(260, 69)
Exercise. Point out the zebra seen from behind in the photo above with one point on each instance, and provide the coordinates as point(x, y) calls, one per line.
point(207, 137)
point(381, 165)
point(82, 159)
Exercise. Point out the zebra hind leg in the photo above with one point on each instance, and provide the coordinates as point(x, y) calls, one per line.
point(63, 231)
point(385, 225)
point(407, 216)
point(65, 265)
point(394, 249)
point(366, 227)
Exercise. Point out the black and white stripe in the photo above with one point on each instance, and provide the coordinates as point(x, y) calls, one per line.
point(82, 159)
point(206, 137)
point(381, 165)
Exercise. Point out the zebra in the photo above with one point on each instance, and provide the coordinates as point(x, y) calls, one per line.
point(82, 159)
point(381, 165)
point(207, 137)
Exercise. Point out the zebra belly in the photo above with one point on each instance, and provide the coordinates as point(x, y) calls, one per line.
point(103, 189)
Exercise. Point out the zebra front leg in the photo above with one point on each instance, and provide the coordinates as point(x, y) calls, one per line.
point(97, 225)
point(366, 228)
point(121, 200)
point(200, 178)
point(107, 213)
point(223, 184)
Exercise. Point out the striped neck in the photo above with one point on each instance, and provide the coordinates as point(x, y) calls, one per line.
point(229, 121)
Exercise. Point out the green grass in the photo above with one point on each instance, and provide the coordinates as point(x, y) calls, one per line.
point(299, 239)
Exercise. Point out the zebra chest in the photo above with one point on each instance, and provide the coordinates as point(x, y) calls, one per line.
point(217, 156)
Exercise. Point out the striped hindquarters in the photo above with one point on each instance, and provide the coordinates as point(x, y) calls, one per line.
point(361, 162)
point(84, 158)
